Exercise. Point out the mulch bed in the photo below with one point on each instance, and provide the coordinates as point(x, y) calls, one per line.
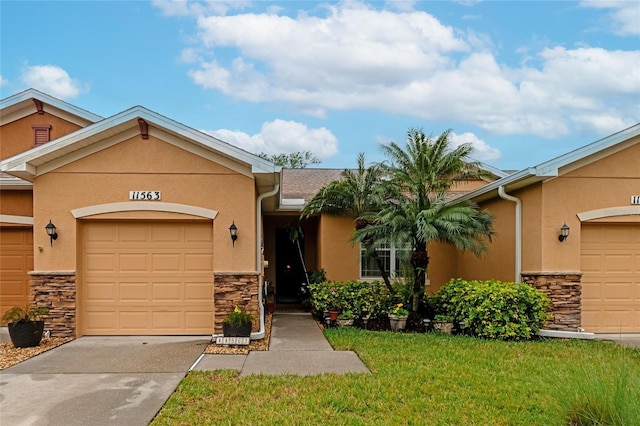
point(254, 345)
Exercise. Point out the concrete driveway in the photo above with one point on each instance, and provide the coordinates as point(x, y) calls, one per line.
point(97, 381)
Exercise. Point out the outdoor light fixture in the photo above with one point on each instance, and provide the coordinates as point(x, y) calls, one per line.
point(233, 230)
point(51, 231)
point(564, 232)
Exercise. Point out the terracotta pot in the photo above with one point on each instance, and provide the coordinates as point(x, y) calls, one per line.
point(333, 315)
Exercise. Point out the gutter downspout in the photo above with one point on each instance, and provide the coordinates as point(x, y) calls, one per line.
point(260, 333)
point(518, 248)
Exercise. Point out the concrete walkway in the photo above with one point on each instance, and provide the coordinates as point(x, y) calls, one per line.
point(297, 347)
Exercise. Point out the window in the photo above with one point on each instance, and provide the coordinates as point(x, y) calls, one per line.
point(389, 256)
point(41, 134)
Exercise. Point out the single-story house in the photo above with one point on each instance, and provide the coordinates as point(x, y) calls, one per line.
point(138, 224)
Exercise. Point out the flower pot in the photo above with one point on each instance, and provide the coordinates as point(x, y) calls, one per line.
point(443, 326)
point(345, 322)
point(26, 334)
point(233, 330)
point(333, 315)
point(397, 323)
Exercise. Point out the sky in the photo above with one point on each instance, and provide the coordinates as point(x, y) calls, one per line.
point(523, 81)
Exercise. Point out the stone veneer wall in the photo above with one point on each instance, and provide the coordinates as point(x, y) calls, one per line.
point(565, 291)
point(231, 289)
point(57, 292)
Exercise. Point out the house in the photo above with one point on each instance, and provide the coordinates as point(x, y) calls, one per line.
point(137, 224)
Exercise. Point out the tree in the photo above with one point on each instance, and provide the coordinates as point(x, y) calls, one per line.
point(294, 160)
point(360, 194)
point(417, 211)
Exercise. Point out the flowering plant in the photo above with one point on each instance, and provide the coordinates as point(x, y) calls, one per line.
point(399, 311)
point(238, 317)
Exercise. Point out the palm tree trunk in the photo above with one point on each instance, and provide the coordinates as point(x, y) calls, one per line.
point(383, 273)
point(419, 262)
point(304, 266)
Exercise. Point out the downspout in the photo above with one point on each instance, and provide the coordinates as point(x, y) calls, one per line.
point(260, 333)
point(518, 250)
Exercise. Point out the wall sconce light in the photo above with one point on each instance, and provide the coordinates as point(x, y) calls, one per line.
point(51, 231)
point(233, 230)
point(564, 232)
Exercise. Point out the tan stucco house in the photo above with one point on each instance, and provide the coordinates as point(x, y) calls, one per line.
point(142, 208)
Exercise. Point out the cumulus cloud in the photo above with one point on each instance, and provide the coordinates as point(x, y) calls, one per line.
point(282, 137)
point(52, 80)
point(624, 15)
point(350, 56)
point(482, 150)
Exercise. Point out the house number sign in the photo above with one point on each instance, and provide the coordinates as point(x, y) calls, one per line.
point(635, 199)
point(145, 195)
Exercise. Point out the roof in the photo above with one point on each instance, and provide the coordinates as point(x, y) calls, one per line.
point(104, 133)
point(560, 165)
point(21, 104)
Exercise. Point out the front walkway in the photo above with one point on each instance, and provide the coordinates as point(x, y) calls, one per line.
point(297, 347)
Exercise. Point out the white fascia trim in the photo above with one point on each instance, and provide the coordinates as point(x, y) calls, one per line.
point(143, 206)
point(292, 204)
point(29, 94)
point(609, 212)
point(19, 220)
point(15, 183)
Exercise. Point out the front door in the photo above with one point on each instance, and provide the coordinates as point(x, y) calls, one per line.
point(289, 270)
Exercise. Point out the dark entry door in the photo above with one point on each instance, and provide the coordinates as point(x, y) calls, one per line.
point(289, 271)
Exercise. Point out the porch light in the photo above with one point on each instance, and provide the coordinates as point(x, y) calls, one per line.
point(564, 232)
point(51, 231)
point(233, 230)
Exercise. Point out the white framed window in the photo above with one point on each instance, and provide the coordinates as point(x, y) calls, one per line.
point(389, 254)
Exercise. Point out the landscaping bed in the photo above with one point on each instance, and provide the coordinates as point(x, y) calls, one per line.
point(11, 356)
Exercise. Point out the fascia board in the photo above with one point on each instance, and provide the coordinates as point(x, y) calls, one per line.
point(27, 95)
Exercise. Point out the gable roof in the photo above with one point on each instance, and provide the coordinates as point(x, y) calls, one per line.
point(111, 130)
point(560, 165)
point(22, 104)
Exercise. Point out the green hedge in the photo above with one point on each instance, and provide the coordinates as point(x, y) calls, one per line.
point(494, 309)
point(363, 299)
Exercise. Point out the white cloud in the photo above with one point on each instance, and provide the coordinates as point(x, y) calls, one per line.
point(196, 8)
point(3, 81)
point(624, 15)
point(280, 136)
point(483, 152)
point(52, 80)
point(351, 56)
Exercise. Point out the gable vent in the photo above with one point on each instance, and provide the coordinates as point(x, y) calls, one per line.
point(41, 134)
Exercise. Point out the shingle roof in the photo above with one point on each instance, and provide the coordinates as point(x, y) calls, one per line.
point(304, 183)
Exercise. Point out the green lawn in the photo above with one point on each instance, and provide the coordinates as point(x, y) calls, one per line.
point(422, 379)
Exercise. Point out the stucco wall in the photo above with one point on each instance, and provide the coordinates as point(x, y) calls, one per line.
point(18, 136)
point(16, 203)
point(135, 164)
point(339, 258)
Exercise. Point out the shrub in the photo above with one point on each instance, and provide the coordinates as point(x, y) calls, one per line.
point(238, 317)
point(494, 309)
point(363, 299)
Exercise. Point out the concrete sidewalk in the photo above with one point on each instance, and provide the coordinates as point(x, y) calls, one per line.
point(297, 347)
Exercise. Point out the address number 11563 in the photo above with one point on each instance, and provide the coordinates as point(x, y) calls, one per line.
point(145, 195)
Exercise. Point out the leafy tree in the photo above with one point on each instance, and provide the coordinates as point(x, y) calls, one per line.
point(294, 160)
point(417, 211)
point(360, 194)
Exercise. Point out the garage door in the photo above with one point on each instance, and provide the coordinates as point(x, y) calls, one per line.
point(16, 260)
point(147, 278)
point(610, 257)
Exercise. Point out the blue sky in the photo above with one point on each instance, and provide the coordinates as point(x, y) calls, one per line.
point(522, 81)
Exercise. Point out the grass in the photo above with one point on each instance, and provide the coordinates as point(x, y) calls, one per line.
point(418, 379)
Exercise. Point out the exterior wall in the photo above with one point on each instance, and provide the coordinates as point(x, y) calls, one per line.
point(16, 203)
point(443, 260)
point(136, 164)
point(565, 292)
point(57, 292)
point(336, 254)
point(235, 289)
point(18, 136)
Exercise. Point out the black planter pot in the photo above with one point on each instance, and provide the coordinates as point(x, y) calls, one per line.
point(231, 330)
point(26, 334)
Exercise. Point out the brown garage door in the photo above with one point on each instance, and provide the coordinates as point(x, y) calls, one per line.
point(610, 258)
point(16, 260)
point(147, 278)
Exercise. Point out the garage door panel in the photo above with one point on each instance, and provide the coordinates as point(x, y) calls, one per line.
point(16, 261)
point(610, 262)
point(160, 282)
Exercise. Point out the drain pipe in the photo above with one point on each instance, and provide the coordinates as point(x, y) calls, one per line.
point(260, 333)
point(518, 248)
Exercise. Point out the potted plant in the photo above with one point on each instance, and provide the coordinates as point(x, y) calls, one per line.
point(237, 324)
point(345, 318)
point(443, 323)
point(398, 317)
point(25, 325)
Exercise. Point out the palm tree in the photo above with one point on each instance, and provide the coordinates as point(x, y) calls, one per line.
point(360, 194)
point(418, 212)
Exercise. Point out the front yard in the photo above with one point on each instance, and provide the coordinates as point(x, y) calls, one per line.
point(424, 379)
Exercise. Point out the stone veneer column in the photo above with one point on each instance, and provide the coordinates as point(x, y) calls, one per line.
point(565, 291)
point(231, 289)
point(57, 292)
